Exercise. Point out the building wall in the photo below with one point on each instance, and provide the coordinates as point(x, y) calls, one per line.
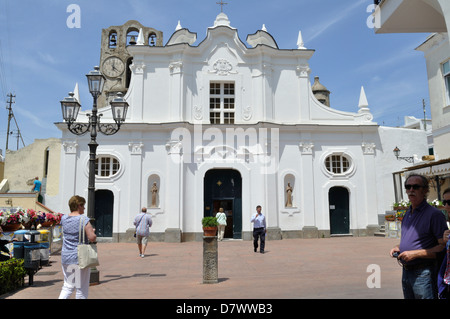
point(22, 166)
point(437, 51)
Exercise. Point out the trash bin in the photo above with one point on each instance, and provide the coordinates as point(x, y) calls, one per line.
point(32, 256)
point(44, 253)
point(44, 236)
point(33, 236)
point(18, 249)
point(20, 235)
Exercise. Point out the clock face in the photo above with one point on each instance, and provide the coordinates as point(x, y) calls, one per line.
point(113, 67)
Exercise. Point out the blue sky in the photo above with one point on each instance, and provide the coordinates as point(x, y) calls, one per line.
point(41, 58)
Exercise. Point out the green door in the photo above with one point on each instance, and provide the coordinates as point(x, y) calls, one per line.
point(104, 205)
point(338, 199)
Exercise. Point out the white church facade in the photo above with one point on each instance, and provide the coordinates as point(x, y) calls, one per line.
point(225, 124)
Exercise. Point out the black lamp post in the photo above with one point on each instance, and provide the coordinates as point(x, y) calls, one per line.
point(70, 108)
point(409, 159)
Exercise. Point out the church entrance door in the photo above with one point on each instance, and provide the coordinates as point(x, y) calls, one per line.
point(223, 189)
point(104, 206)
point(339, 210)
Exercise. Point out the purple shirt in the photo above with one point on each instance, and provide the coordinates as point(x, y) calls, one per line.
point(422, 229)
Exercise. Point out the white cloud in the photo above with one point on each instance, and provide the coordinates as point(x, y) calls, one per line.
point(336, 18)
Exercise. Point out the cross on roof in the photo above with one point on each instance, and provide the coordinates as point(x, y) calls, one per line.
point(221, 5)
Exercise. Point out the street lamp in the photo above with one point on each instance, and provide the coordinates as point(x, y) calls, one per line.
point(409, 159)
point(70, 108)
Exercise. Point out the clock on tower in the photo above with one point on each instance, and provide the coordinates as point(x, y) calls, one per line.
point(115, 60)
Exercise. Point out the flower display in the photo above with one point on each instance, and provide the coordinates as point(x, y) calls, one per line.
point(12, 216)
point(435, 202)
point(21, 216)
point(402, 203)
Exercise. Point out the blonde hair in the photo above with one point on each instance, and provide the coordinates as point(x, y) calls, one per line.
point(74, 201)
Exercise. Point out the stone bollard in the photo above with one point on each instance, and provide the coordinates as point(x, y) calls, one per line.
point(210, 269)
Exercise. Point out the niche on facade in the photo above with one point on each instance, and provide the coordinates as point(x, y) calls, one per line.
point(154, 183)
point(289, 186)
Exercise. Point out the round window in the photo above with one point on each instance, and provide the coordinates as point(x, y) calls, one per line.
point(106, 166)
point(337, 164)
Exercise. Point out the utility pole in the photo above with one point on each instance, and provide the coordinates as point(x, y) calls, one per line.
point(10, 115)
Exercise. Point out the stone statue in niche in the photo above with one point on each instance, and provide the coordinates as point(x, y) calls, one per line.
point(289, 195)
point(154, 191)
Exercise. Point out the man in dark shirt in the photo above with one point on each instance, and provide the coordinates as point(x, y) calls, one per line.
point(421, 240)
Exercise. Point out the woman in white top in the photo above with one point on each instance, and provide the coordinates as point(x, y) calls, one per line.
point(222, 220)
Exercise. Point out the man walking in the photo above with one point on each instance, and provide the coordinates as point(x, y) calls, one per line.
point(421, 240)
point(259, 230)
point(143, 222)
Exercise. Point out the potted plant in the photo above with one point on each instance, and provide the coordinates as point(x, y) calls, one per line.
point(11, 220)
point(389, 217)
point(399, 215)
point(402, 205)
point(209, 226)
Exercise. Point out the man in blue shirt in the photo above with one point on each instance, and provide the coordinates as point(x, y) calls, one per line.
point(36, 185)
point(421, 241)
point(259, 229)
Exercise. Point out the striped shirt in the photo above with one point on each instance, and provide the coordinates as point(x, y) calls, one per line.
point(143, 222)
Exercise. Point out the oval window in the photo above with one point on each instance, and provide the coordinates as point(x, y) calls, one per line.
point(337, 164)
point(106, 166)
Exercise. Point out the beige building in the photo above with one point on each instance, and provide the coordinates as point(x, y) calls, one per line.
point(40, 159)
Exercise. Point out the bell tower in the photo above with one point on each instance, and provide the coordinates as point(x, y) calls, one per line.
point(115, 60)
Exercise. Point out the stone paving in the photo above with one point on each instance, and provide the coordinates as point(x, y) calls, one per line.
point(290, 269)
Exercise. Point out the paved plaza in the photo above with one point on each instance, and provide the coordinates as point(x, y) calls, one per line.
point(290, 269)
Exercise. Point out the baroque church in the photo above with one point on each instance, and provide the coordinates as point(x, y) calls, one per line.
point(229, 124)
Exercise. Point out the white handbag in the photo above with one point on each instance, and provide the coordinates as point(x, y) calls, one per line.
point(87, 253)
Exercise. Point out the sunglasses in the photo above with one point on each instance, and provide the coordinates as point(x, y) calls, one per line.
point(446, 202)
point(414, 186)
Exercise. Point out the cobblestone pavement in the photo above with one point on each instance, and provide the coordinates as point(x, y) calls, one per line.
point(328, 268)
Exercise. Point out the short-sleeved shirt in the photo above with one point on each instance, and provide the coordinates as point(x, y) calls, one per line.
point(37, 185)
point(422, 229)
point(70, 225)
point(221, 218)
point(143, 222)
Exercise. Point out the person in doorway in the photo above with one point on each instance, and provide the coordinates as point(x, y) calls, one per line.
point(421, 241)
point(444, 272)
point(222, 220)
point(259, 230)
point(143, 222)
point(74, 277)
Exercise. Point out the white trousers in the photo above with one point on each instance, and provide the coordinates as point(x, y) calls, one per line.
point(220, 231)
point(75, 279)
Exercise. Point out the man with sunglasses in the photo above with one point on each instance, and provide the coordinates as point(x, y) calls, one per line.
point(421, 241)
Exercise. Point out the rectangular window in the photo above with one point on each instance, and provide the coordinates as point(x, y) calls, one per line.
point(221, 103)
point(446, 72)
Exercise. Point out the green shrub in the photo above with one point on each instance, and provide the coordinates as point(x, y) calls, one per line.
point(209, 222)
point(12, 275)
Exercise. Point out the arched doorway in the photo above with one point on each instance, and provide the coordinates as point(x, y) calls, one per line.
point(223, 188)
point(338, 198)
point(104, 206)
